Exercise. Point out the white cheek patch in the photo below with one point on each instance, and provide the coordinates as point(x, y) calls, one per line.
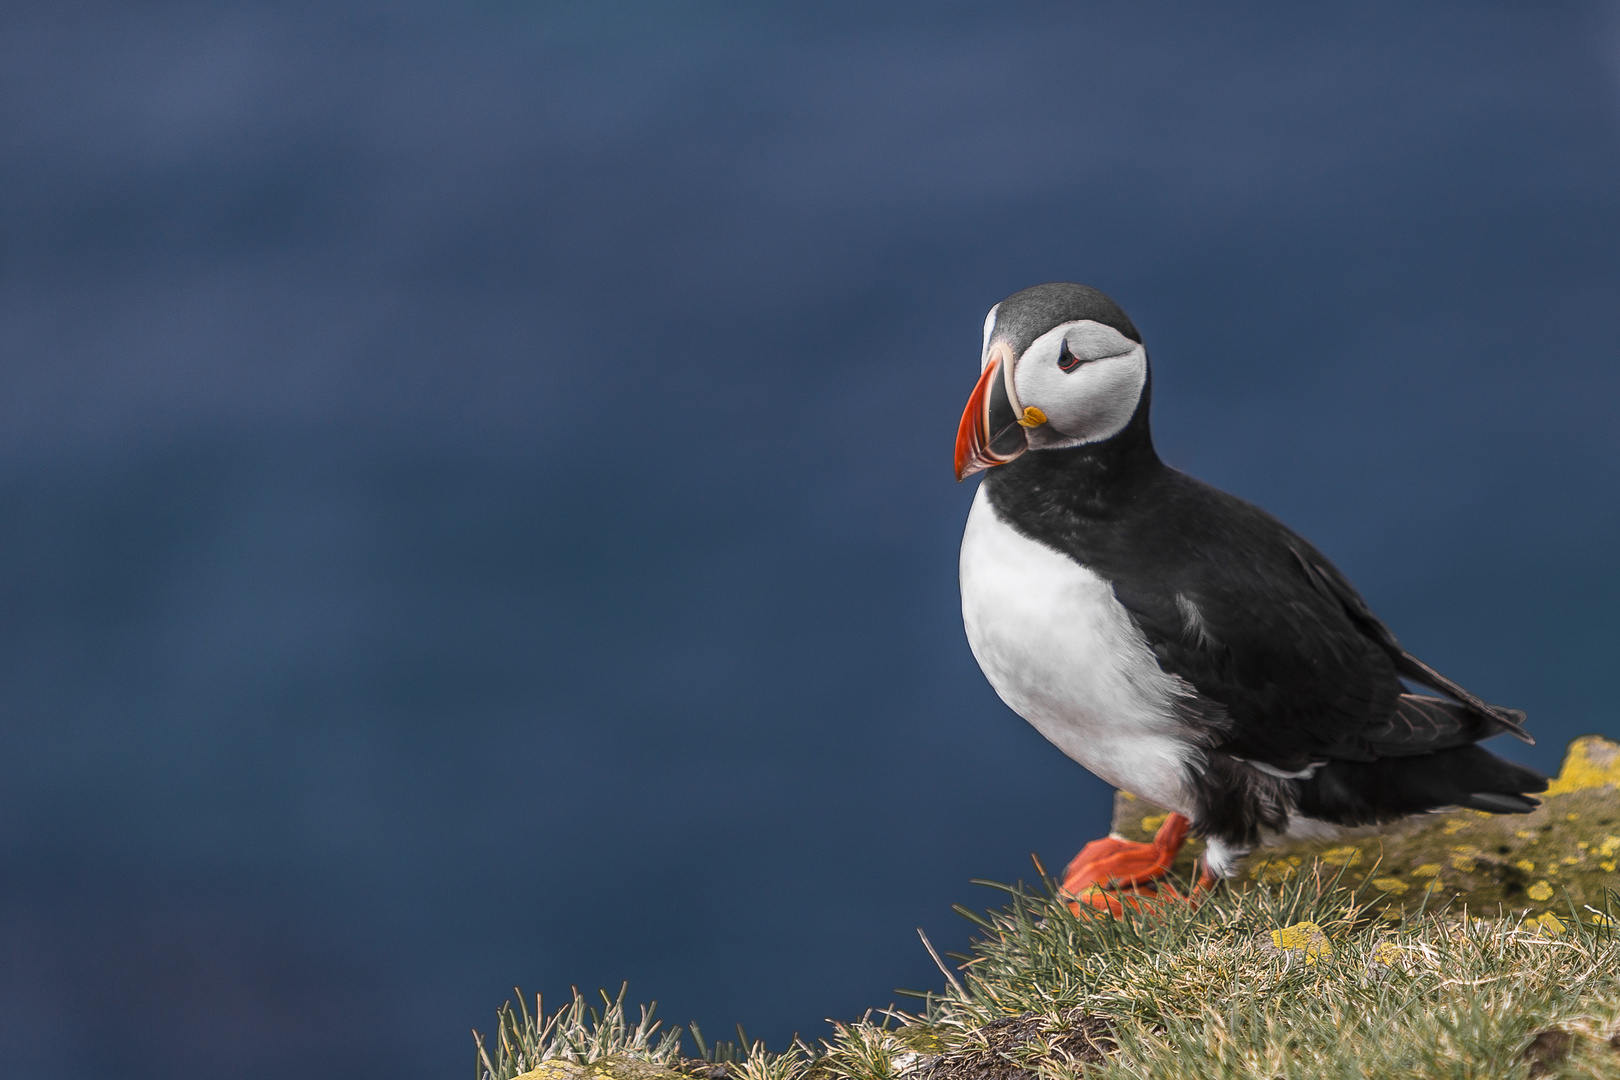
point(1100, 398)
point(1093, 401)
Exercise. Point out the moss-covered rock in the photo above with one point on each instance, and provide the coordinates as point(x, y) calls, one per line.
point(1538, 864)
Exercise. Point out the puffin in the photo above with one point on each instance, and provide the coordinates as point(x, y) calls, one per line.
point(1178, 642)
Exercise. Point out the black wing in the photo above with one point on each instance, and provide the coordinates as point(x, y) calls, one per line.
point(1290, 666)
point(1327, 580)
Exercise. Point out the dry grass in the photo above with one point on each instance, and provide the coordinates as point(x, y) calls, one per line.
point(1294, 980)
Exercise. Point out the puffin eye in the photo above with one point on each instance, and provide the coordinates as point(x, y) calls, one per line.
point(1067, 361)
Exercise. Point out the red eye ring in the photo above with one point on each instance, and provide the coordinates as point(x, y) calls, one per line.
point(1067, 361)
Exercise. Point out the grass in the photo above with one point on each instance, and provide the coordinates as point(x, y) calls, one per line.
point(579, 1033)
point(1294, 980)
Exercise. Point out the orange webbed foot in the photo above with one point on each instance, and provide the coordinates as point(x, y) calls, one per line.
point(1109, 874)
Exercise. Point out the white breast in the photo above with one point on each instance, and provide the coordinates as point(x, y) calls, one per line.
point(1063, 654)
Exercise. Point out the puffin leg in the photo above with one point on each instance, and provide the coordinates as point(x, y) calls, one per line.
point(1110, 874)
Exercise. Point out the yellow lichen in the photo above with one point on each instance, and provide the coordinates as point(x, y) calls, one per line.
point(1386, 952)
point(1304, 937)
point(1428, 869)
point(1551, 923)
point(1463, 862)
point(1152, 822)
point(1610, 845)
point(554, 1070)
point(1540, 891)
point(1390, 885)
point(1342, 856)
point(1571, 860)
point(1607, 866)
point(1279, 869)
point(1455, 826)
point(1592, 762)
point(610, 1068)
point(1526, 865)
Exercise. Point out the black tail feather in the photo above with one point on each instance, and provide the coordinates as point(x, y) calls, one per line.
point(1420, 724)
point(1510, 719)
point(1496, 803)
point(1332, 584)
point(1370, 792)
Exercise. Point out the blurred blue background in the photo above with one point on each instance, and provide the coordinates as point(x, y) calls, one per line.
point(475, 493)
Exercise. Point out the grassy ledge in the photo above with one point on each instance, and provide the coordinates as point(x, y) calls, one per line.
point(1292, 979)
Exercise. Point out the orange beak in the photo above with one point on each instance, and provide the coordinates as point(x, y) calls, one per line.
point(990, 433)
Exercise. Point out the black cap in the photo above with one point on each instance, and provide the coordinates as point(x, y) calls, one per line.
point(1025, 316)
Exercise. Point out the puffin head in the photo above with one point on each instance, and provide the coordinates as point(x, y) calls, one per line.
point(1062, 366)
